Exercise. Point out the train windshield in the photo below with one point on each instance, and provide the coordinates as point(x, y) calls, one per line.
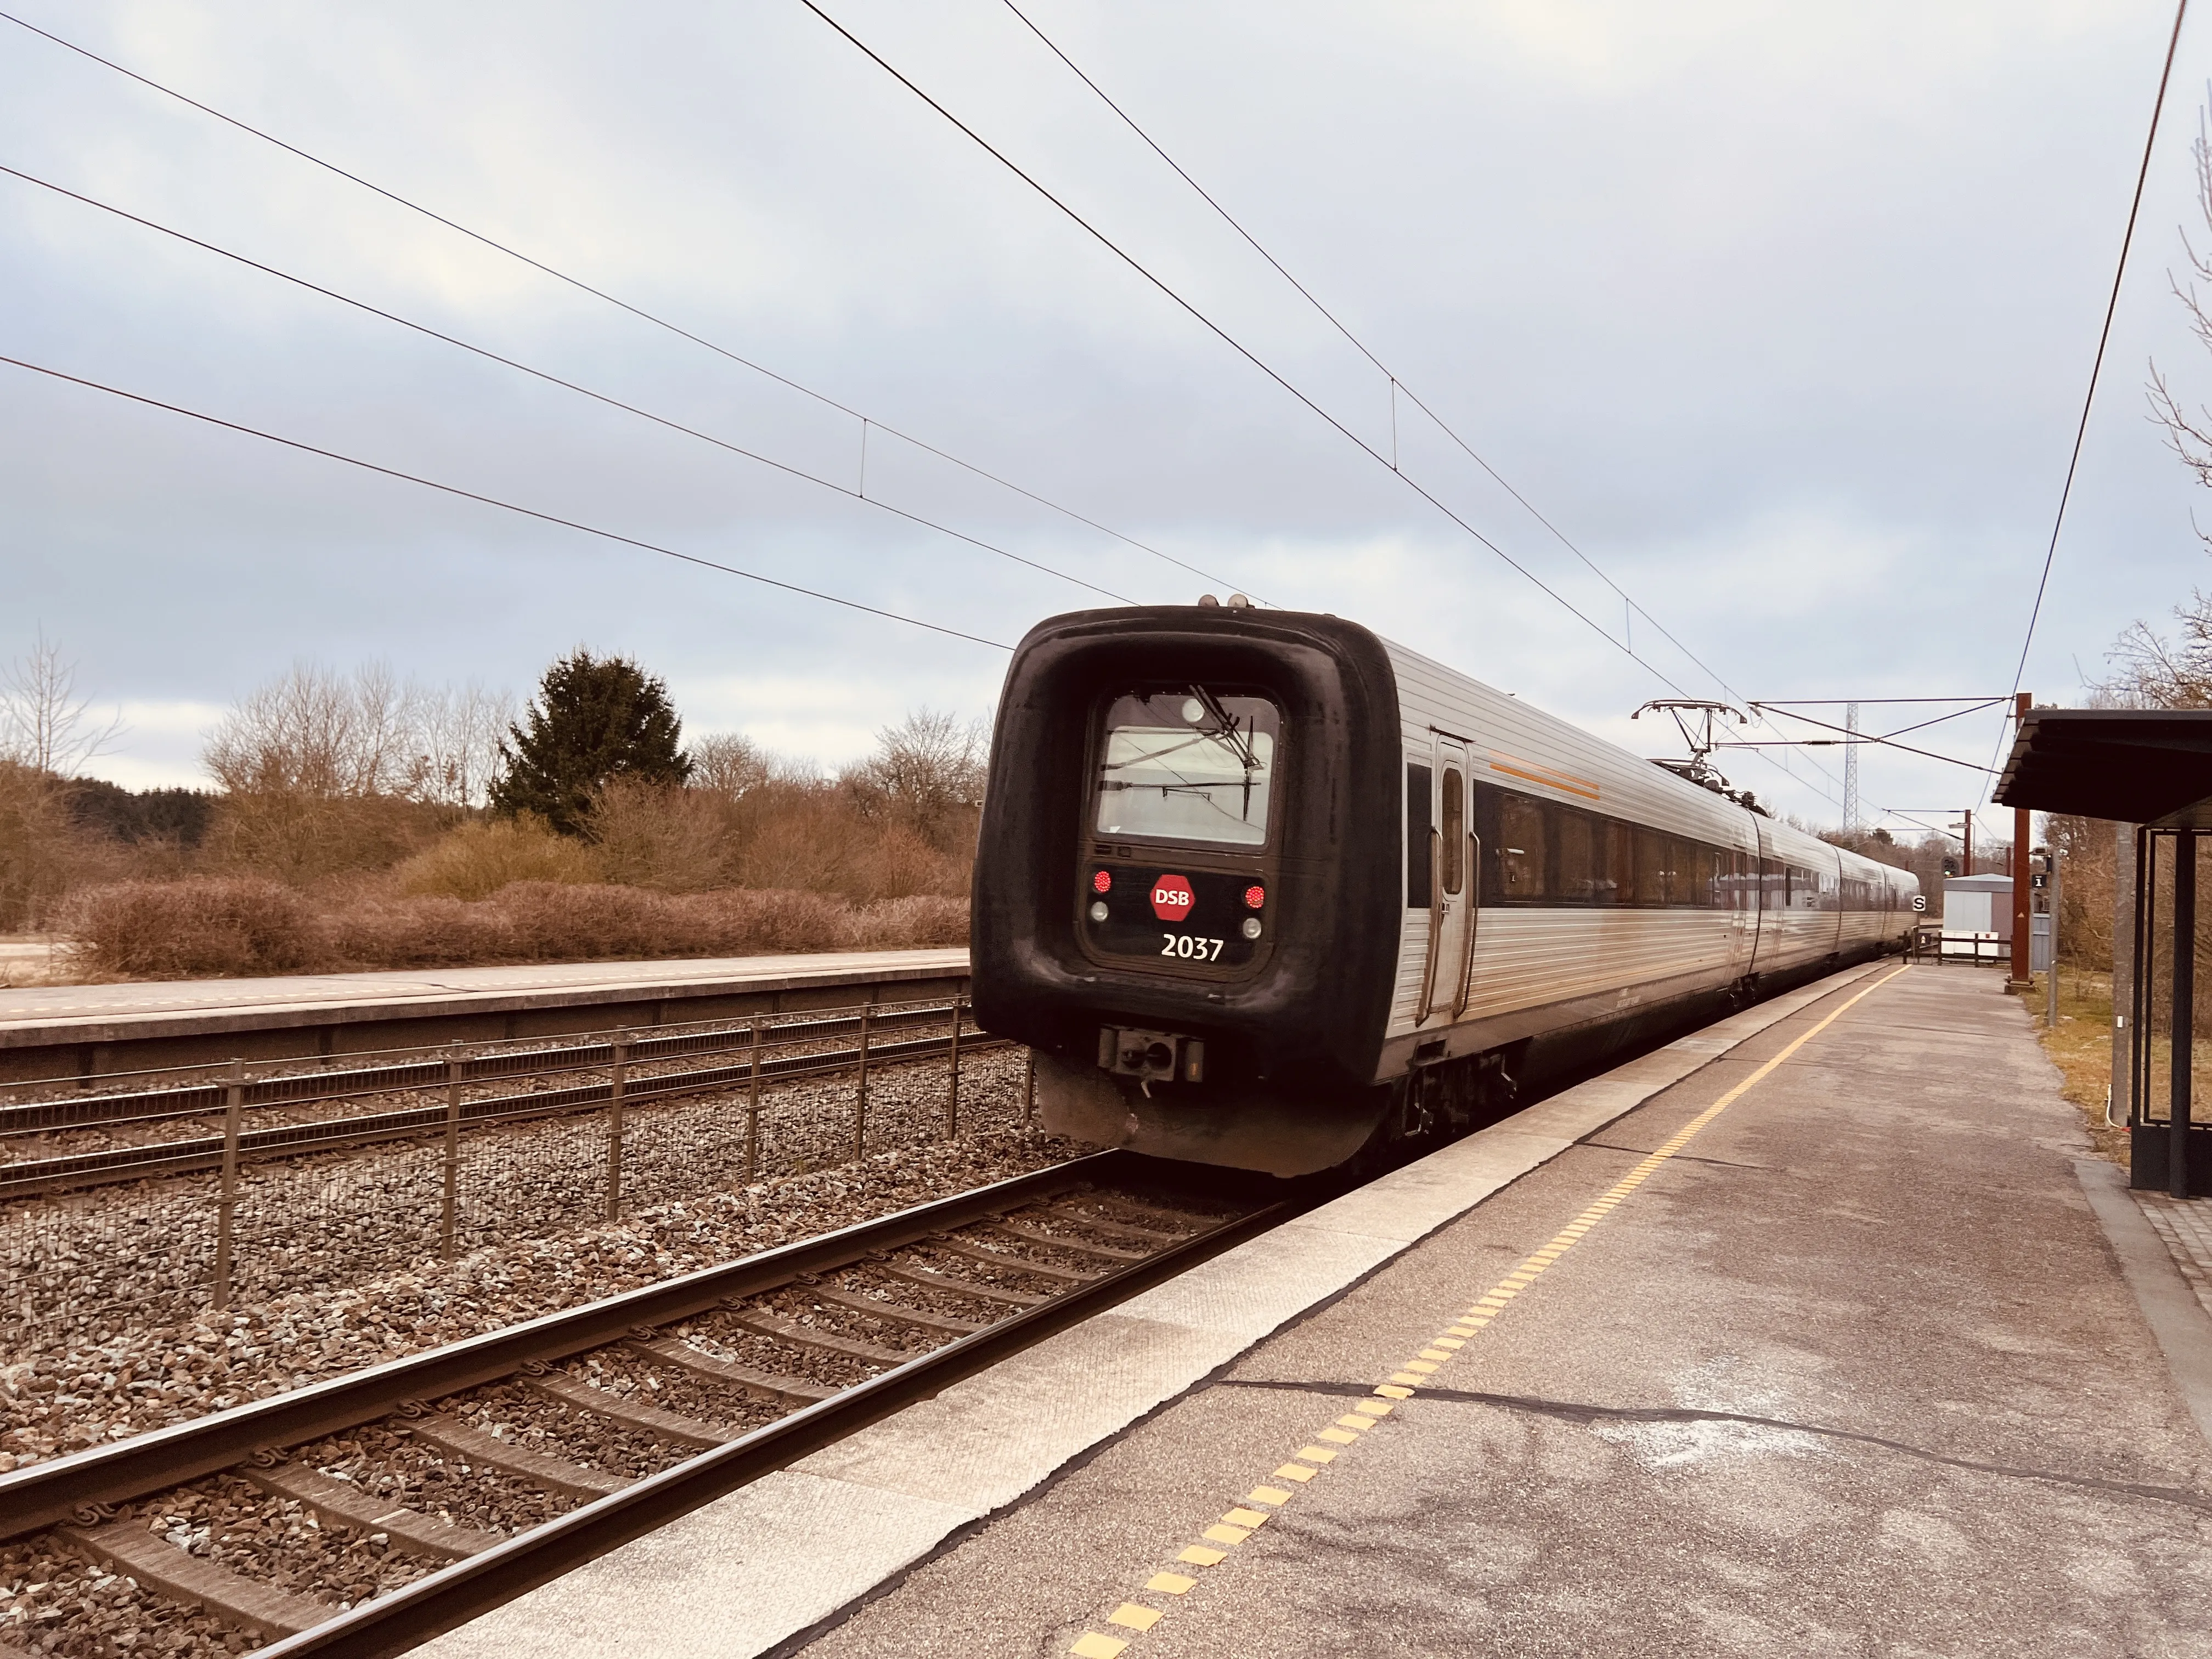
point(1188, 765)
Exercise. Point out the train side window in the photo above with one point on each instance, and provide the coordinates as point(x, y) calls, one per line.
point(1524, 857)
point(1455, 829)
point(1588, 870)
point(1654, 864)
point(1419, 808)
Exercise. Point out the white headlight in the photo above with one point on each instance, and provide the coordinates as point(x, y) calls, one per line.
point(1252, 928)
point(1099, 910)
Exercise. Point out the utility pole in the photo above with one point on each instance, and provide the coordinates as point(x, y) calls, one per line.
point(1966, 858)
point(1851, 813)
point(2021, 910)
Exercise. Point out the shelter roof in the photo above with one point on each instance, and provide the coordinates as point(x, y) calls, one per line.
point(2136, 765)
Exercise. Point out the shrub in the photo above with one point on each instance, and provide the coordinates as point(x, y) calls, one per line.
point(43, 851)
point(475, 860)
point(301, 838)
point(205, 927)
point(671, 839)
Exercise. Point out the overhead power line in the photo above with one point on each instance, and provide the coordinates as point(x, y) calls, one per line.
point(494, 501)
point(620, 304)
point(1252, 357)
point(1228, 339)
point(1397, 385)
point(554, 380)
point(2097, 363)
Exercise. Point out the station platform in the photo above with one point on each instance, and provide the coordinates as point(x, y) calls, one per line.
point(1818, 1332)
point(53, 1030)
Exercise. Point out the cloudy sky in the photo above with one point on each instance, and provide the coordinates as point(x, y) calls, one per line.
point(1781, 313)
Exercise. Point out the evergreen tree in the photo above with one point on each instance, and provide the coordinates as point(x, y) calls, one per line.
point(593, 719)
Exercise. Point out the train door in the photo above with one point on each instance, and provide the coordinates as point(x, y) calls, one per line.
point(1743, 885)
point(1770, 881)
point(1453, 865)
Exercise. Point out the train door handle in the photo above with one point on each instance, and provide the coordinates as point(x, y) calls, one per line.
point(1436, 925)
point(1466, 992)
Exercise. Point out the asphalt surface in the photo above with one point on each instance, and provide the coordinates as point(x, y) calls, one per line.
point(1855, 1372)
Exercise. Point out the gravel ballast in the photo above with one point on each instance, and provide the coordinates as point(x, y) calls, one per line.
point(62, 1391)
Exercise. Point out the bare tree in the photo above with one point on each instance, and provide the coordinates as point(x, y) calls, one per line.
point(2153, 672)
point(456, 739)
point(730, 764)
point(43, 724)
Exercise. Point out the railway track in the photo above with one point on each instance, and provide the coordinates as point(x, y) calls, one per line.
point(27, 1177)
point(440, 1484)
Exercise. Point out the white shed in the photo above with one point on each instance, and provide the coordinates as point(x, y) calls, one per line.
point(1978, 905)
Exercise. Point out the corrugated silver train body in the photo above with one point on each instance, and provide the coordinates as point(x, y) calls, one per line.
point(1534, 970)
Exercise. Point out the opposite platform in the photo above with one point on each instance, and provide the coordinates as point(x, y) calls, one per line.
point(99, 1029)
point(751, 1571)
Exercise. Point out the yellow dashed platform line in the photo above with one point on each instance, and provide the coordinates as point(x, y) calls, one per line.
point(1240, 1522)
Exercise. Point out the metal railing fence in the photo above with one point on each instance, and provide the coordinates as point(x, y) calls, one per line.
point(250, 1185)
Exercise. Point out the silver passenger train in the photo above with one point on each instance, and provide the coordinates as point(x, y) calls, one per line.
point(1261, 888)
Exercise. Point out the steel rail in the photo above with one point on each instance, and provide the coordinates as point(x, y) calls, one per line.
point(48, 1493)
point(444, 1600)
point(33, 1178)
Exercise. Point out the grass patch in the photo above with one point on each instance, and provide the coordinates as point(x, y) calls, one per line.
point(2080, 1046)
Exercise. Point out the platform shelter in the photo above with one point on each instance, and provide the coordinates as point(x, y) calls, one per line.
point(2150, 769)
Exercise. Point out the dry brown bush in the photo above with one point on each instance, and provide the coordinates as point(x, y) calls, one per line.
point(475, 860)
point(671, 839)
point(300, 838)
point(219, 927)
point(44, 854)
point(205, 927)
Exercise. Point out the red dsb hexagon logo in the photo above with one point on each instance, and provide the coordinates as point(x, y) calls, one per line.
point(1172, 898)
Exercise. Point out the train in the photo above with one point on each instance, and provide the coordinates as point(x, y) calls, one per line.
point(1261, 889)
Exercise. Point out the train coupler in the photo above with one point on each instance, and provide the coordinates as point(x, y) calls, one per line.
point(1152, 1056)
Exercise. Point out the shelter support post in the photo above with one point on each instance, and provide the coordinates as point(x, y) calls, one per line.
point(2120, 1107)
point(2182, 1063)
point(2022, 830)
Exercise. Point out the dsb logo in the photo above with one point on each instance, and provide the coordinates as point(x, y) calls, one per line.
point(1172, 898)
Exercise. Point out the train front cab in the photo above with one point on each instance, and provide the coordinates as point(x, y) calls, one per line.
point(1187, 880)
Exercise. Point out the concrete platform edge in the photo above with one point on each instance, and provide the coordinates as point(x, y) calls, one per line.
point(2169, 1307)
point(439, 1002)
point(998, 1439)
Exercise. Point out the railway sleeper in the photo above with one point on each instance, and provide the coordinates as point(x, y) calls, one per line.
point(126, 1547)
point(547, 1473)
point(1137, 1210)
point(777, 1390)
point(1114, 1229)
point(1062, 1241)
point(1018, 1263)
point(895, 1312)
point(806, 1336)
point(673, 1427)
point(345, 1505)
point(933, 1279)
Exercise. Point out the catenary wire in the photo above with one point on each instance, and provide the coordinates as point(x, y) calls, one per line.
point(555, 379)
point(1244, 351)
point(1222, 334)
point(619, 303)
point(1829, 726)
point(903, 436)
point(1398, 384)
point(1956, 714)
point(494, 501)
point(1925, 754)
point(2097, 364)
